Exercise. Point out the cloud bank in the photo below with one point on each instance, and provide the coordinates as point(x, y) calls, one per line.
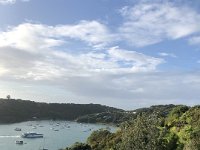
point(105, 72)
point(37, 44)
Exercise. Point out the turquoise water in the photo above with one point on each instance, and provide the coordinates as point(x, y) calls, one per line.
point(57, 134)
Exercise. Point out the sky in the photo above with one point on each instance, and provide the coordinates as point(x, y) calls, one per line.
point(126, 54)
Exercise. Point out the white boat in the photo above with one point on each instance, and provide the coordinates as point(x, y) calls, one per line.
point(18, 129)
point(31, 135)
point(19, 142)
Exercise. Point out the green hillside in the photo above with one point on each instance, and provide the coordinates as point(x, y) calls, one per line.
point(165, 127)
point(12, 110)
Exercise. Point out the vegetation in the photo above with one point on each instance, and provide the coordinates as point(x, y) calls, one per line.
point(119, 116)
point(165, 127)
point(79, 146)
point(12, 110)
point(114, 117)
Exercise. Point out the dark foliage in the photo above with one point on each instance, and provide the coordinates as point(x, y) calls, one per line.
point(115, 117)
point(79, 146)
point(19, 110)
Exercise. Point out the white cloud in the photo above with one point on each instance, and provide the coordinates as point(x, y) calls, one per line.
point(136, 61)
point(34, 53)
point(167, 54)
point(110, 74)
point(101, 74)
point(29, 37)
point(54, 64)
point(5, 2)
point(149, 23)
point(35, 37)
point(8, 2)
point(31, 53)
point(3, 70)
point(93, 32)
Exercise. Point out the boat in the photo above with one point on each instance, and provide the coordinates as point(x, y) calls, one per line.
point(31, 135)
point(19, 142)
point(18, 129)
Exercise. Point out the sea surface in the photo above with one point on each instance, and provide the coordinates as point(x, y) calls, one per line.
point(57, 134)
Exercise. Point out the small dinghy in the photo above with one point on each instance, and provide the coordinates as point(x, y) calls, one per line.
point(19, 142)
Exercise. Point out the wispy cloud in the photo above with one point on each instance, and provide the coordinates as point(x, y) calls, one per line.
point(149, 23)
point(136, 61)
point(92, 32)
point(163, 54)
point(5, 2)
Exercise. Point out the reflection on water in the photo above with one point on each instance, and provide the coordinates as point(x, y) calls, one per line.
point(9, 136)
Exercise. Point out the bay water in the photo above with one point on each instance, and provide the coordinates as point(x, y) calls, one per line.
point(57, 134)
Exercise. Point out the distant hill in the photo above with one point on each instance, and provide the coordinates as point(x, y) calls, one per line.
point(12, 110)
point(117, 117)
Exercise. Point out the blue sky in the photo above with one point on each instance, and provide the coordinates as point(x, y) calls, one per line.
point(126, 54)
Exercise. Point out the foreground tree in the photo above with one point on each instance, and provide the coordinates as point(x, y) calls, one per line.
point(79, 146)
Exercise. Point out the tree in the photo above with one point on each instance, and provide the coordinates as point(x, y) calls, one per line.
point(79, 146)
point(8, 97)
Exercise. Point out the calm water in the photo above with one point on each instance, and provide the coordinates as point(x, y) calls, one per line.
point(57, 134)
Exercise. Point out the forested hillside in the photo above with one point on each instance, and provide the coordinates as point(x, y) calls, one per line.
point(12, 110)
point(156, 128)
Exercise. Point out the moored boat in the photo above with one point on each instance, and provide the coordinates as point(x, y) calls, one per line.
point(18, 129)
point(31, 135)
point(19, 142)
